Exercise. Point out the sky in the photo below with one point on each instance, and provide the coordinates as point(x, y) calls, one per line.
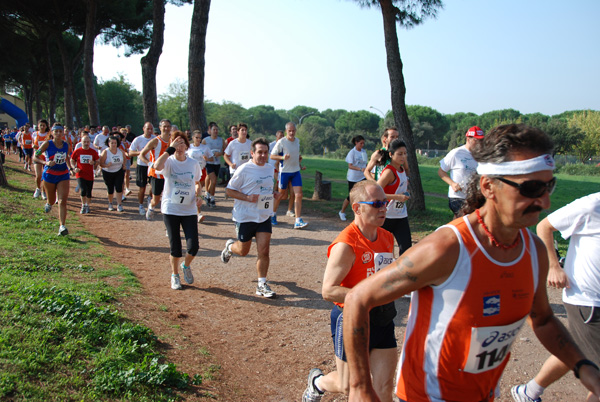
point(476, 56)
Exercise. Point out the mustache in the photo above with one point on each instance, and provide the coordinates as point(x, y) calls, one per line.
point(532, 208)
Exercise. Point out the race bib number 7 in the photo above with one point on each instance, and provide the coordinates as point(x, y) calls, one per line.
point(182, 193)
point(490, 346)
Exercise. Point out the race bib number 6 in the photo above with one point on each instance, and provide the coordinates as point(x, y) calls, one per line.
point(490, 346)
point(265, 201)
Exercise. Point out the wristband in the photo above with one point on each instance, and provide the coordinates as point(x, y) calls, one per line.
point(583, 362)
point(170, 150)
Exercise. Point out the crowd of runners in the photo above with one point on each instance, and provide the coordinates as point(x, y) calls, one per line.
point(473, 283)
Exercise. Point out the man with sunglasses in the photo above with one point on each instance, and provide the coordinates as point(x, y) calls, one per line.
point(456, 168)
point(474, 283)
point(579, 221)
point(359, 251)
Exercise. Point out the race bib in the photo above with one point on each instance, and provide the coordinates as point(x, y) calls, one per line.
point(490, 346)
point(244, 156)
point(215, 151)
point(27, 142)
point(60, 158)
point(265, 201)
point(380, 261)
point(399, 205)
point(86, 159)
point(182, 193)
point(116, 159)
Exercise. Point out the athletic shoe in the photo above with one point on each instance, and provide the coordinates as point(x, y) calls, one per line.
point(274, 220)
point(342, 216)
point(127, 191)
point(63, 231)
point(300, 224)
point(208, 204)
point(149, 214)
point(77, 189)
point(142, 210)
point(82, 210)
point(44, 197)
point(311, 393)
point(37, 193)
point(519, 395)
point(47, 208)
point(120, 208)
point(200, 218)
point(110, 206)
point(263, 289)
point(123, 198)
point(87, 209)
point(226, 253)
point(188, 277)
point(213, 203)
point(175, 282)
point(290, 213)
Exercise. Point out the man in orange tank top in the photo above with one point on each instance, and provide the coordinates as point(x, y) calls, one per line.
point(156, 147)
point(474, 283)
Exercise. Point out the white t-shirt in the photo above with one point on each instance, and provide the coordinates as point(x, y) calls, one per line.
point(179, 194)
point(253, 179)
point(358, 159)
point(274, 162)
point(216, 146)
point(580, 220)
point(461, 165)
point(198, 153)
point(115, 159)
point(100, 142)
point(292, 148)
point(138, 145)
point(239, 153)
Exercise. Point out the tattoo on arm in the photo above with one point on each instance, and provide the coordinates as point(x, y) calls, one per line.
point(394, 277)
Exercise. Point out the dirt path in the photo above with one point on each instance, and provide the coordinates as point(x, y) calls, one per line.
point(264, 348)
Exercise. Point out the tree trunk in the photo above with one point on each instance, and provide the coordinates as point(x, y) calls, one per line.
point(88, 61)
point(150, 62)
point(51, 86)
point(68, 86)
point(38, 102)
point(394, 65)
point(196, 66)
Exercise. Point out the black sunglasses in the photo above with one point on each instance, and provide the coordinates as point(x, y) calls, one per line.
point(531, 188)
point(375, 204)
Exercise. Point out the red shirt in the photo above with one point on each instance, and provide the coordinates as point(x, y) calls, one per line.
point(82, 158)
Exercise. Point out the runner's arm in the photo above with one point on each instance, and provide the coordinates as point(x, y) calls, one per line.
point(39, 152)
point(341, 259)
point(448, 180)
point(386, 178)
point(556, 276)
point(149, 147)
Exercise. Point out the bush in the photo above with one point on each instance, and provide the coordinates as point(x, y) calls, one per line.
point(578, 170)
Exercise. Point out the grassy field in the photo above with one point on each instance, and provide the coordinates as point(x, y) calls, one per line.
point(61, 337)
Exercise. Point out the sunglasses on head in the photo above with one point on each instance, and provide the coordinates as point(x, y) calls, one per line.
point(375, 204)
point(532, 188)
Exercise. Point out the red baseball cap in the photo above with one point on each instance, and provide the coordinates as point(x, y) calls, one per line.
point(475, 132)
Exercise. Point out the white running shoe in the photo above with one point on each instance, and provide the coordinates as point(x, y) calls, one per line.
point(518, 394)
point(300, 224)
point(82, 210)
point(77, 189)
point(123, 198)
point(342, 216)
point(47, 208)
point(200, 218)
point(63, 231)
point(127, 191)
point(290, 213)
point(188, 277)
point(263, 289)
point(149, 214)
point(44, 197)
point(37, 193)
point(110, 206)
point(226, 253)
point(311, 393)
point(142, 210)
point(175, 282)
point(120, 208)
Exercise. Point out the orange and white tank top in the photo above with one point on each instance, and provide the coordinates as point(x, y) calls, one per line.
point(38, 140)
point(459, 333)
point(161, 147)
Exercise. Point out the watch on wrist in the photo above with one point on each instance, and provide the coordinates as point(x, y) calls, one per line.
point(583, 362)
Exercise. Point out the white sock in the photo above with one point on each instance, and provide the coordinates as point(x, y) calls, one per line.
point(316, 382)
point(297, 219)
point(534, 390)
point(262, 280)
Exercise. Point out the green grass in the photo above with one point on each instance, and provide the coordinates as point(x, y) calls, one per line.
point(61, 337)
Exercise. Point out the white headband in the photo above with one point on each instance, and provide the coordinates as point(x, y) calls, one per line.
point(542, 162)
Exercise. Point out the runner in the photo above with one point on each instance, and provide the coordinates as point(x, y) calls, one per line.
point(362, 249)
point(179, 204)
point(85, 159)
point(56, 174)
point(125, 144)
point(471, 280)
point(113, 162)
point(141, 169)
point(394, 181)
point(357, 162)
point(154, 149)
point(252, 187)
point(238, 151)
point(202, 154)
point(39, 137)
point(381, 158)
point(27, 145)
point(217, 146)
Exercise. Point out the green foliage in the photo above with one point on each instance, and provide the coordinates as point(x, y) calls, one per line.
point(265, 120)
point(360, 121)
point(173, 105)
point(588, 122)
point(428, 125)
point(120, 103)
point(579, 170)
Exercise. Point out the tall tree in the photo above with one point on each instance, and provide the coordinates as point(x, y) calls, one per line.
point(150, 63)
point(406, 13)
point(196, 64)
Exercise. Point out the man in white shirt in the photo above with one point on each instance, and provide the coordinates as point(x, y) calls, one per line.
point(252, 188)
point(290, 172)
point(461, 165)
point(141, 170)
